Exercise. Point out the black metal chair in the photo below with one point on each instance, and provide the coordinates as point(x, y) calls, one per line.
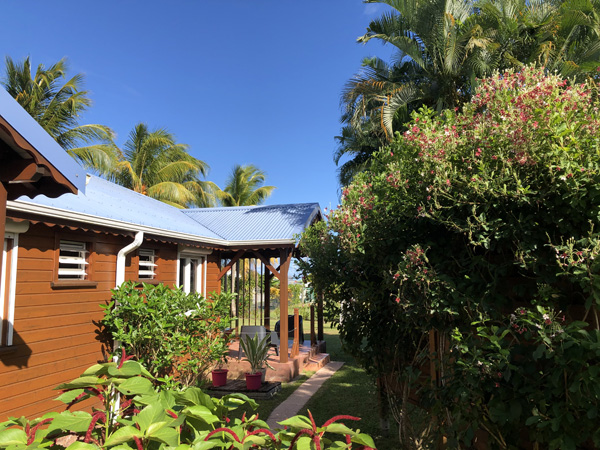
point(291, 328)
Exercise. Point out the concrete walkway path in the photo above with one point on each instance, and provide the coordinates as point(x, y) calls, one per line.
point(295, 402)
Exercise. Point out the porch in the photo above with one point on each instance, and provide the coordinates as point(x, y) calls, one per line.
point(309, 358)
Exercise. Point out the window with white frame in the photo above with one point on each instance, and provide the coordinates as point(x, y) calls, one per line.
point(147, 264)
point(72, 260)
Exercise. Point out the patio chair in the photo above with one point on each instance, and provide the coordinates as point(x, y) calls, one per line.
point(274, 342)
point(249, 331)
point(291, 328)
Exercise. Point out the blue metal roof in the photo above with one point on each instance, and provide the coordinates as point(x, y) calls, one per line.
point(108, 200)
point(40, 140)
point(257, 223)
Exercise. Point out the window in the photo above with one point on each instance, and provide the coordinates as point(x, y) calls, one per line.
point(72, 260)
point(147, 264)
point(191, 273)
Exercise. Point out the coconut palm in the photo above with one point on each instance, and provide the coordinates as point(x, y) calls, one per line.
point(58, 109)
point(440, 48)
point(245, 187)
point(154, 164)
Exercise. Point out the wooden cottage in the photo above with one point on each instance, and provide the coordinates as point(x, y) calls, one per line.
point(64, 254)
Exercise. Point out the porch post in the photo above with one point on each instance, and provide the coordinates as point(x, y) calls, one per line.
point(285, 259)
point(267, 298)
point(320, 317)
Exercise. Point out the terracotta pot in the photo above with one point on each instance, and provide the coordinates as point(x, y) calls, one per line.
point(253, 381)
point(219, 377)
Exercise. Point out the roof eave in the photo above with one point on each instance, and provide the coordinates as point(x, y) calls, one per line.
point(89, 219)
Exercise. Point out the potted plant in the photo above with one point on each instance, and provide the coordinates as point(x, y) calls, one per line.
point(220, 350)
point(257, 352)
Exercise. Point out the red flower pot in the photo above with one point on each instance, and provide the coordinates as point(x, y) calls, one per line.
point(253, 381)
point(219, 377)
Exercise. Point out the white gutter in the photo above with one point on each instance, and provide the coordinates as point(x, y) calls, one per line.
point(137, 241)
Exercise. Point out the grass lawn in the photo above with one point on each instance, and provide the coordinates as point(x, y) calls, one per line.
point(349, 391)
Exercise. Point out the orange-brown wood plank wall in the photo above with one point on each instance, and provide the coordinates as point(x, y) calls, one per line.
point(55, 330)
point(212, 273)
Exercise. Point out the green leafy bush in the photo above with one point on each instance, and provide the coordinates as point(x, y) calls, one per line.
point(467, 218)
point(178, 336)
point(140, 418)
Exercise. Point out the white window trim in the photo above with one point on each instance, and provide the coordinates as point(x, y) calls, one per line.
point(12, 283)
point(187, 255)
point(74, 246)
point(147, 273)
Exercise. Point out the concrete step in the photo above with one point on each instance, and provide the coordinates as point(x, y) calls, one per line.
point(316, 361)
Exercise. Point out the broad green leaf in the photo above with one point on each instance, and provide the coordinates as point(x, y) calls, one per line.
point(297, 422)
point(340, 428)
point(305, 443)
point(77, 421)
point(167, 435)
point(201, 412)
point(147, 416)
point(194, 396)
point(98, 370)
point(82, 382)
point(533, 419)
point(234, 401)
point(12, 436)
point(122, 435)
point(69, 396)
point(363, 439)
point(206, 445)
point(255, 440)
point(136, 386)
point(129, 369)
point(78, 445)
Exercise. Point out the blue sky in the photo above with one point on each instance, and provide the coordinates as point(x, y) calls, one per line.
point(240, 82)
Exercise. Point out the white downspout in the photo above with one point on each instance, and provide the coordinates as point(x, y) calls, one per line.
point(137, 241)
point(119, 280)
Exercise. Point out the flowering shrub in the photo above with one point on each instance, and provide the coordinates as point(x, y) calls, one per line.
point(470, 216)
point(178, 336)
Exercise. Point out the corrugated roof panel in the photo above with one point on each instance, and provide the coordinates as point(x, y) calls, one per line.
point(108, 200)
point(255, 223)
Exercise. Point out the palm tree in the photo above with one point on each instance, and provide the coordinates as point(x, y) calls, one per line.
point(58, 109)
point(245, 187)
point(155, 165)
point(440, 48)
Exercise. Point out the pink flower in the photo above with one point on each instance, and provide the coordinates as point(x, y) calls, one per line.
point(448, 182)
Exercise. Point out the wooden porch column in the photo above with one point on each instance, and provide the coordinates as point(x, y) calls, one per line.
point(320, 317)
point(268, 276)
point(313, 336)
point(285, 259)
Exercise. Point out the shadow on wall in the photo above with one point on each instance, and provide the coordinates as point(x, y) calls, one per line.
point(17, 354)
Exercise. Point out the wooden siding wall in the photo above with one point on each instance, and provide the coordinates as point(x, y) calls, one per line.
point(55, 332)
point(212, 273)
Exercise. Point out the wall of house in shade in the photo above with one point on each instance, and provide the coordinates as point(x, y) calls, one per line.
point(55, 334)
